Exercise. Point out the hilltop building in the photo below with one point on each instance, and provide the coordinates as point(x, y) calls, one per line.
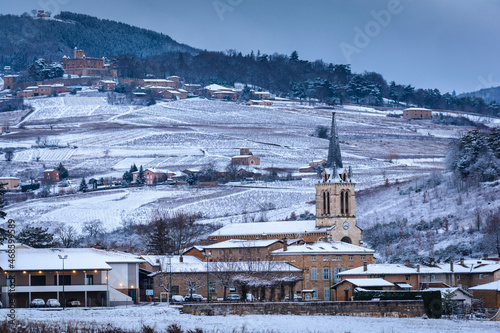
point(87, 66)
point(245, 158)
point(417, 113)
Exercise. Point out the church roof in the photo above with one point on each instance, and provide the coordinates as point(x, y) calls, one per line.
point(269, 228)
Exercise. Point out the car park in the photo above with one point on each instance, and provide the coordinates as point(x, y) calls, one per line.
point(53, 303)
point(233, 298)
point(37, 303)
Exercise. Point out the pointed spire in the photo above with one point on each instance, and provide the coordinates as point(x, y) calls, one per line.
point(334, 156)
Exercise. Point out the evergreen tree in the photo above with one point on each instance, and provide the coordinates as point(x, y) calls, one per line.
point(3, 232)
point(334, 155)
point(294, 56)
point(159, 237)
point(192, 179)
point(83, 186)
point(246, 93)
point(141, 179)
point(63, 172)
point(128, 177)
point(36, 237)
point(133, 168)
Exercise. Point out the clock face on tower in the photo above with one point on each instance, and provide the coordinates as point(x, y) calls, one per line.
point(345, 225)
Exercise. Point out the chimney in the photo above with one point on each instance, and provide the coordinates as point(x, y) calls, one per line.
point(285, 244)
point(462, 261)
point(431, 261)
point(418, 268)
point(181, 258)
point(407, 262)
point(365, 266)
point(485, 256)
point(451, 266)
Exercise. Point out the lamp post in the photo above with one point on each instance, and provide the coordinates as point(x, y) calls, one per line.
point(208, 280)
point(63, 257)
point(169, 257)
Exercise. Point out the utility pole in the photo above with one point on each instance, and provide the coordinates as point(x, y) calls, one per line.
point(63, 257)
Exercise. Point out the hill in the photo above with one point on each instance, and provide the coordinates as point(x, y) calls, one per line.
point(488, 94)
point(25, 38)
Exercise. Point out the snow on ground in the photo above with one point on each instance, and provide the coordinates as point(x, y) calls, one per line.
point(161, 316)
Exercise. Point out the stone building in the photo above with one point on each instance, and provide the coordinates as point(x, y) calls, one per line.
point(87, 66)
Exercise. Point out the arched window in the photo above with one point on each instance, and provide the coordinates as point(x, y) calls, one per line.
point(342, 202)
point(346, 205)
point(326, 203)
point(346, 240)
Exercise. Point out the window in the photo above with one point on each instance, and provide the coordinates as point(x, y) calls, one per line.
point(67, 280)
point(363, 257)
point(325, 258)
point(326, 294)
point(232, 289)
point(458, 277)
point(212, 287)
point(339, 258)
point(336, 277)
point(350, 258)
point(89, 280)
point(481, 276)
point(315, 294)
point(38, 280)
point(314, 274)
point(313, 258)
point(433, 277)
point(325, 274)
point(407, 278)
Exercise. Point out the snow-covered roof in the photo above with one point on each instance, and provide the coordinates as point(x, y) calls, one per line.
point(154, 170)
point(107, 81)
point(9, 178)
point(239, 243)
point(268, 228)
point(323, 248)
point(241, 156)
point(261, 93)
point(495, 285)
point(237, 266)
point(416, 109)
point(50, 170)
point(365, 283)
point(380, 269)
point(157, 260)
point(450, 290)
point(77, 259)
point(215, 87)
point(157, 80)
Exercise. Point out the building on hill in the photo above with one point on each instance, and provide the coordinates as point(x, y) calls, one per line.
point(335, 218)
point(154, 176)
point(87, 66)
point(51, 176)
point(245, 158)
point(10, 183)
point(43, 90)
point(488, 294)
point(417, 113)
point(8, 81)
point(106, 84)
point(260, 94)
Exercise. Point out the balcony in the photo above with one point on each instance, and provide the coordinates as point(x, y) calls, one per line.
point(67, 288)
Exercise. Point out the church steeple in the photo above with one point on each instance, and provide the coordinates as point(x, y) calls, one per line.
point(334, 155)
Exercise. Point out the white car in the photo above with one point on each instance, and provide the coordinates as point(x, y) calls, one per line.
point(37, 303)
point(177, 299)
point(53, 303)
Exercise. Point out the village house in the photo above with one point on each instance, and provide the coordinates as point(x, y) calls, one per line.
point(417, 113)
point(106, 85)
point(260, 94)
point(267, 280)
point(321, 263)
point(243, 250)
point(176, 79)
point(51, 176)
point(313, 166)
point(488, 294)
point(8, 81)
point(158, 83)
point(94, 277)
point(192, 88)
point(42, 13)
point(10, 183)
point(220, 92)
point(87, 66)
point(245, 158)
point(154, 176)
point(344, 290)
point(43, 90)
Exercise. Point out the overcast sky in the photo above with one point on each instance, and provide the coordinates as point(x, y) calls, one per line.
point(444, 44)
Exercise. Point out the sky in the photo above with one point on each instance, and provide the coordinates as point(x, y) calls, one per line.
point(444, 44)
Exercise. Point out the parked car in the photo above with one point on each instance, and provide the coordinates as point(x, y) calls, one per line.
point(37, 303)
point(177, 299)
point(233, 298)
point(73, 302)
point(296, 298)
point(53, 303)
point(193, 298)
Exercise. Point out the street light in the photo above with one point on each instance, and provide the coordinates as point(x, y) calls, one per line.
point(208, 280)
point(63, 257)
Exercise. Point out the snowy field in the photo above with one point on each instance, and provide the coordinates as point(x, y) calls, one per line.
point(161, 316)
point(94, 139)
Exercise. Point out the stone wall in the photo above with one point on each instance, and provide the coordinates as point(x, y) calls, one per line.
point(397, 309)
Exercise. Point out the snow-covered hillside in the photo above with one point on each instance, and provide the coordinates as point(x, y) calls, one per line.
point(94, 139)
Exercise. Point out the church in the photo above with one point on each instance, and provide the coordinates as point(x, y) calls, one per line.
point(335, 218)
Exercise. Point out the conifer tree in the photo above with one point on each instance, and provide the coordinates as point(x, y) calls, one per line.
point(63, 172)
point(36, 237)
point(3, 232)
point(140, 176)
point(133, 168)
point(83, 186)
